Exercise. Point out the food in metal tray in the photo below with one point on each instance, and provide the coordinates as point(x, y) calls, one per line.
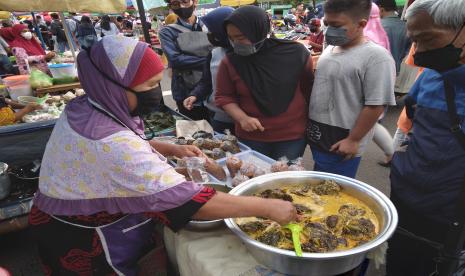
point(332, 219)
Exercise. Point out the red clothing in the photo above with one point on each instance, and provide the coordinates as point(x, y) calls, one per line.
point(318, 39)
point(289, 125)
point(31, 46)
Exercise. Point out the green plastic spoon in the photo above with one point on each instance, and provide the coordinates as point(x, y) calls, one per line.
point(295, 230)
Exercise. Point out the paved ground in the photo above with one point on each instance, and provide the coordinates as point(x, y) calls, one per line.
point(18, 254)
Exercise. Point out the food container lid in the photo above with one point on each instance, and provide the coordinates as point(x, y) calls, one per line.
point(17, 78)
point(60, 65)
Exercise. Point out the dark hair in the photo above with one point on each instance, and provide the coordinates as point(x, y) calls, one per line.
point(54, 16)
point(119, 19)
point(72, 13)
point(85, 20)
point(105, 24)
point(388, 5)
point(355, 8)
point(38, 17)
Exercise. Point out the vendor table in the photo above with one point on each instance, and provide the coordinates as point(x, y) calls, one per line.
point(211, 253)
point(57, 88)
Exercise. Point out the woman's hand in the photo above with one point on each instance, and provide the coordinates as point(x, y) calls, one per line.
point(181, 151)
point(282, 211)
point(250, 124)
point(189, 102)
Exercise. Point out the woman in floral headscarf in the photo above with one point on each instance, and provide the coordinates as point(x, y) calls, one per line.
point(102, 183)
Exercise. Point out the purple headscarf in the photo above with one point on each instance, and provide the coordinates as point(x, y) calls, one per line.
point(119, 57)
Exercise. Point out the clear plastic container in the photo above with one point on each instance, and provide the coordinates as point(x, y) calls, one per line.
point(62, 70)
point(19, 90)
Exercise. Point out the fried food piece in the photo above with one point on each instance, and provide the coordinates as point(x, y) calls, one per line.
point(327, 187)
point(233, 164)
point(301, 209)
point(277, 194)
point(218, 153)
point(332, 221)
point(253, 227)
point(320, 239)
point(360, 229)
point(230, 147)
point(279, 166)
point(271, 237)
point(239, 179)
point(349, 210)
point(215, 169)
point(248, 169)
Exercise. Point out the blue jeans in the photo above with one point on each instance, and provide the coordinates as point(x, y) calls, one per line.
point(292, 149)
point(334, 163)
point(62, 46)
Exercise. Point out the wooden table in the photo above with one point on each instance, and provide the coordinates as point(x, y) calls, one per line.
point(57, 88)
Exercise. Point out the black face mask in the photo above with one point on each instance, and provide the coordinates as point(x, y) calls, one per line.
point(313, 29)
point(147, 101)
point(184, 13)
point(442, 59)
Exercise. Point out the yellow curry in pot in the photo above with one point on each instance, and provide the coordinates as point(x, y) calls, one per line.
point(332, 219)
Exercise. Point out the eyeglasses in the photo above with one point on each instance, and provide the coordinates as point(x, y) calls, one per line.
point(176, 4)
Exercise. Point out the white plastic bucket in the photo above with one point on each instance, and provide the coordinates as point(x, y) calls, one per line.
point(19, 90)
point(62, 70)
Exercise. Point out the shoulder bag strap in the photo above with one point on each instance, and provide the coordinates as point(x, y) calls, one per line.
point(456, 121)
point(455, 237)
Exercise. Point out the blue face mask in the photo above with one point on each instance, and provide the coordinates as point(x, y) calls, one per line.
point(336, 36)
point(246, 49)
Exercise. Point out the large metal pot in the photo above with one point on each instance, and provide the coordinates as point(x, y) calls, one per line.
point(320, 264)
point(5, 183)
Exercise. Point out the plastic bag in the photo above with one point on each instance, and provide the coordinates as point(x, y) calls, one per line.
point(39, 79)
point(196, 169)
point(297, 165)
point(280, 165)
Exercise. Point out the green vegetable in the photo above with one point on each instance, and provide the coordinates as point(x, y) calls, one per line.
point(65, 80)
point(39, 79)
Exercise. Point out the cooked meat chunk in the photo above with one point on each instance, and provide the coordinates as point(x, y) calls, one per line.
point(301, 209)
point(271, 237)
point(276, 193)
point(360, 229)
point(332, 221)
point(320, 239)
point(327, 187)
point(349, 210)
point(253, 227)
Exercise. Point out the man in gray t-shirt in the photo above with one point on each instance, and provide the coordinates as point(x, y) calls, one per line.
point(354, 81)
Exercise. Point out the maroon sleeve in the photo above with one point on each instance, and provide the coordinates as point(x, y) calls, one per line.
point(306, 81)
point(225, 88)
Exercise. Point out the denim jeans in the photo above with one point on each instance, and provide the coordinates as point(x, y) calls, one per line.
point(62, 46)
point(292, 149)
point(335, 163)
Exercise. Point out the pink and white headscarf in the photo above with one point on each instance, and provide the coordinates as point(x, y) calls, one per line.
point(374, 30)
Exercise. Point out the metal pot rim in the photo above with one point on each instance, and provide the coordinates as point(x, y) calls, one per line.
point(385, 233)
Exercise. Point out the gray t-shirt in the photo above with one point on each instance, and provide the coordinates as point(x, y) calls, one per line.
point(344, 83)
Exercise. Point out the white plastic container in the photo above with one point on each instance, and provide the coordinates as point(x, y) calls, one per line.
point(19, 90)
point(62, 70)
